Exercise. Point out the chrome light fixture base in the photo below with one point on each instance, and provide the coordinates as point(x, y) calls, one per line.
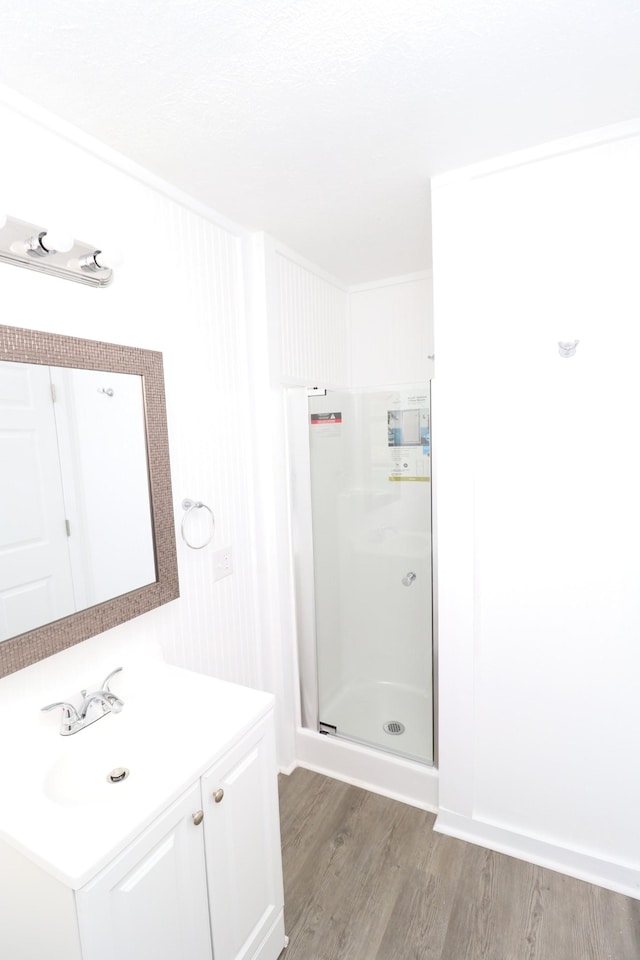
point(17, 247)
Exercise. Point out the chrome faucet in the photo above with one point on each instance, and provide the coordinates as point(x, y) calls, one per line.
point(92, 707)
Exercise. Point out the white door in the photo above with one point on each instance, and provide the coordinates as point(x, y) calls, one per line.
point(242, 837)
point(103, 453)
point(35, 572)
point(152, 900)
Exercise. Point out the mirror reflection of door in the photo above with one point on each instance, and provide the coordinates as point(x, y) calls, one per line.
point(75, 509)
point(103, 453)
point(35, 572)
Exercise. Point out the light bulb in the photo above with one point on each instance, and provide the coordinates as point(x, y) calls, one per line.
point(101, 260)
point(55, 241)
point(108, 259)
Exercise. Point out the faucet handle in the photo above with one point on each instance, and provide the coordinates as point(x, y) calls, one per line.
point(115, 703)
point(70, 712)
point(70, 717)
point(105, 685)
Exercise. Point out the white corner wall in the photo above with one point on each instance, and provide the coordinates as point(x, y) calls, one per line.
point(182, 290)
point(322, 333)
point(538, 513)
point(391, 331)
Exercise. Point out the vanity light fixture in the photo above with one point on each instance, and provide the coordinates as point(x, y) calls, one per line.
point(48, 251)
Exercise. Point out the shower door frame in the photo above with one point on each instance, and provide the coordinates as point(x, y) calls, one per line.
point(299, 461)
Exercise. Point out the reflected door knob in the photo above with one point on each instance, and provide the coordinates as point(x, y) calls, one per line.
point(408, 580)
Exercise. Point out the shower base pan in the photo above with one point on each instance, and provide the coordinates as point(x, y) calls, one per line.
point(389, 716)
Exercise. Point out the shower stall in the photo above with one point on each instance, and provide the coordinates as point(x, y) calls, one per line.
point(367, 672)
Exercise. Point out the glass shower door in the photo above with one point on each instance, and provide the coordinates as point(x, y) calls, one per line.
point(371, 514)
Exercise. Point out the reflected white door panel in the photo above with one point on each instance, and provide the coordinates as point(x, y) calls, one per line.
point(103, 455)
point(35, 572)
point(75, 506)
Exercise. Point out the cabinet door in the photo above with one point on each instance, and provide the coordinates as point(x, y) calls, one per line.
point(151, 901)
point(242, 838)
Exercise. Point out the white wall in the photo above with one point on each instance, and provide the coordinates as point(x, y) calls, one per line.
point(538, 513)
point(322, 333)
point(308, 319)
point(182, 291)
point(391, 331)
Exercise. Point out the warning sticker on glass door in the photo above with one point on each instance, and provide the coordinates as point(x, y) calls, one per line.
point(322, 419)
point(326, 425)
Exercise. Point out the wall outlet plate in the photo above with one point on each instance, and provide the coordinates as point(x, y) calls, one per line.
point(222, 563)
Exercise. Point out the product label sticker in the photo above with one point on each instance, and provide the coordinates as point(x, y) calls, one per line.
point(409, 437)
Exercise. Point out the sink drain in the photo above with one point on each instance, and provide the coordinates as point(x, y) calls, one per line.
point(118, 774)
point(394, 727)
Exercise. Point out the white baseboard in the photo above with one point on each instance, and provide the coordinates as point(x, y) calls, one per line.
point(288, 770)
point(382, 773)
point(612, 876)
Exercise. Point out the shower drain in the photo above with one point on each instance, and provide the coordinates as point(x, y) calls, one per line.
point(394, 727)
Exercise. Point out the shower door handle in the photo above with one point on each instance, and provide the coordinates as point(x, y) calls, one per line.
point(408, 580)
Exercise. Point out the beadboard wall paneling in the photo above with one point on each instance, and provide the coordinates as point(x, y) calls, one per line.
point(180, 291)
point(210, 421)
point(312, 321)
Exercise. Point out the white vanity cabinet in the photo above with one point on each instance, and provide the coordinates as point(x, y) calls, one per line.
point(152, 900)
point(207, 869)
point(199, 877)
point(243, 856)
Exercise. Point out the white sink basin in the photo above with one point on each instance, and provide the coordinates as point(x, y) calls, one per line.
point(79, 773)
point(149, 747)
point(174, 724)
point(81, 778)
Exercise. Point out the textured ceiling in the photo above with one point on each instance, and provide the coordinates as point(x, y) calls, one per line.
point(321, 121)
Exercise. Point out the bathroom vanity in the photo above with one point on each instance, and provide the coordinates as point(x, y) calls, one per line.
point(178, 858)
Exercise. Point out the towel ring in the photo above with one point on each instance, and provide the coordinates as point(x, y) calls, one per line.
point(189, 506)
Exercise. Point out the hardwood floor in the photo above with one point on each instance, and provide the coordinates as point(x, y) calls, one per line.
point(366, 878)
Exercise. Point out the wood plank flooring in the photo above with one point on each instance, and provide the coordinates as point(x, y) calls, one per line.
point(366, 878)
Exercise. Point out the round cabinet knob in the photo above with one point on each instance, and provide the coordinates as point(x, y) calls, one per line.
point(198, 817)
point(218, 795)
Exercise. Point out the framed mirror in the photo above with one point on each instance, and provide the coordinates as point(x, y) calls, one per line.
point(86, 518)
